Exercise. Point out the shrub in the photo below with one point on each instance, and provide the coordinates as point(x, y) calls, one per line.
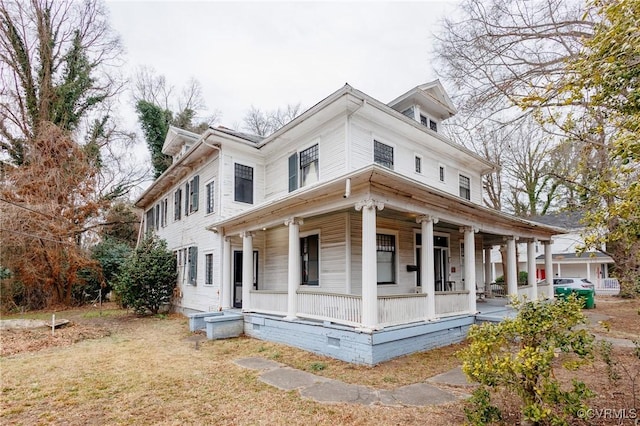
point(110, 256)
point(519, 355)
point(148, 277)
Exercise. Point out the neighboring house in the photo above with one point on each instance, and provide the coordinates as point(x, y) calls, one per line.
point(593, 265)
point(357, 230)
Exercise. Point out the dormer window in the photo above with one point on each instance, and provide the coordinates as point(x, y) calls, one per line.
point(427, 122)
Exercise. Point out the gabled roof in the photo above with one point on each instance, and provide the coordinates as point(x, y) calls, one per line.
point(425, 93)
point(568, 219)
point(175, 138)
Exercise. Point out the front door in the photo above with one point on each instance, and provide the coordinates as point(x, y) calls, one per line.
point(237, 276)
point(237, 279)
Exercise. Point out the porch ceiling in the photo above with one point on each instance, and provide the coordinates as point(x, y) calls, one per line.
point(401, 196)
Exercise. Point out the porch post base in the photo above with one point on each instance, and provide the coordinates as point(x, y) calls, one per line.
point(290, 318)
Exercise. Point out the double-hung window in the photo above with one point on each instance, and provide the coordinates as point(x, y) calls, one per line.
point(465, 187)
point(386, 258)
point(208, 273)
point(210, 192)
point(303, 168)
point(243, 184)
point(150, 220)
point(177, 204)
point(309, 166)
point(383, 154)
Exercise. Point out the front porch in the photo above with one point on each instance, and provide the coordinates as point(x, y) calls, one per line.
point(386, 269)
point(355, 345)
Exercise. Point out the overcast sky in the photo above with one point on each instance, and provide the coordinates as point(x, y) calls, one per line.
point(270, 54)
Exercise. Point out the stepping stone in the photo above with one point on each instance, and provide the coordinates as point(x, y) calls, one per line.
point(453, 377)
point(257, 363)
point(336, 392)
point(421, 394)
point(287, 378)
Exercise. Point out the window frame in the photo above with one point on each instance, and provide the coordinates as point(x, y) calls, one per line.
point(467, 194)
point(418, 163)
point(177, 204)
point(395, 255)
point(208, 269)
point(303, 236)
point(210, 194)
point(315, 149)
point(192, 265)
point(380, 157)
point(236, 194)
point(442, 173)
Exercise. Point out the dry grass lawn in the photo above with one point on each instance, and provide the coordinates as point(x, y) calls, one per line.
point(120, 369)
point(149, 371)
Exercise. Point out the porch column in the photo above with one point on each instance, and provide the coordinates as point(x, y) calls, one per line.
point(226, 273)
point(487, 271)
point(548, 267)
point(427, 270)
point(470, 265)
point(369, 263)
point(293, 276)
point(247, 269)
point(511, 274)
point(531, 269)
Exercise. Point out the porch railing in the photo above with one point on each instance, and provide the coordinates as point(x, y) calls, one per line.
point(607, 286)
point(452, 303)
point(334, 307)
point(401, 308)
point(346, 309)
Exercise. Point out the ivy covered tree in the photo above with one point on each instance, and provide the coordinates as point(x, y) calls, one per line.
point(155, 124)
point(158, 108)
point(148, 277)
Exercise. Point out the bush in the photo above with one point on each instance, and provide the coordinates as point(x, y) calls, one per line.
point(148, 277)
point(518, 355)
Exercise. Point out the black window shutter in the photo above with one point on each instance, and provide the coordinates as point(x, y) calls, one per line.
point(293, 172)
point(187, 197)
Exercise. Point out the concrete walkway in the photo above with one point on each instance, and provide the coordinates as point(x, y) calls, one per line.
point(326, 390)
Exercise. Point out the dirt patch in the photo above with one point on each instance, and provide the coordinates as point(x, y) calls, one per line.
point(18, 340)
point(616, 317)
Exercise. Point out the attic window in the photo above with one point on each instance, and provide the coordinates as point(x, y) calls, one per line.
point(424, 121)
point(433, 125)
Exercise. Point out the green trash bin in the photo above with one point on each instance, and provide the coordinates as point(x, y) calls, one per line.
point(587, 294)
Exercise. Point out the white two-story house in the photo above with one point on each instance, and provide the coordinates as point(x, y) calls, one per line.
point(357, 230)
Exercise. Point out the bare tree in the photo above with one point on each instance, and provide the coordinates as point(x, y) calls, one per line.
point(499, 53)
point(187, 110)
point(264, 123)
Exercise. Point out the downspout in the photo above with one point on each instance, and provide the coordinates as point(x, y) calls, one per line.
point(142, 223)
point(347, 189)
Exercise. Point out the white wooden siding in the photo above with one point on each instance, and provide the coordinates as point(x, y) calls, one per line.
point(331, 157)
